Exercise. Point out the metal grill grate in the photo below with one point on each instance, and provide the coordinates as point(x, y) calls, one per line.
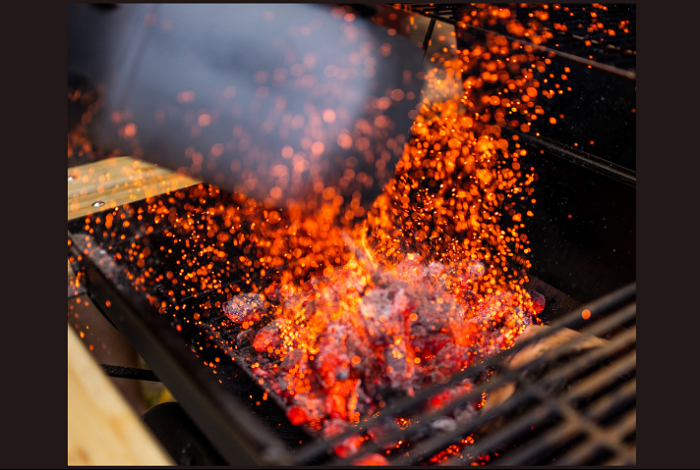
point(570, 27)
point(569, 409)
point(582, 405)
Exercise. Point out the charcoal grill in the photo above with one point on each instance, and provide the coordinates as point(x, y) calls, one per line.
point(568, 408)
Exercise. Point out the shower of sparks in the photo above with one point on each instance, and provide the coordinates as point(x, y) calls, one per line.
point(327, 307)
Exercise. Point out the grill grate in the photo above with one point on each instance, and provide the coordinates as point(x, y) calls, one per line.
point(581, 405)
point(597, 48)
point(586, 406)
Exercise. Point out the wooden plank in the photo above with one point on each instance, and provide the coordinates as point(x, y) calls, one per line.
point(116, 181)
point(102, 427)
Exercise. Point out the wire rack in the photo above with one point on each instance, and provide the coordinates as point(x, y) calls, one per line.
point(578, 36)
point(568, 408)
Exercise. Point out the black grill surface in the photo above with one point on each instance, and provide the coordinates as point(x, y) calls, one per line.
point(579, 403)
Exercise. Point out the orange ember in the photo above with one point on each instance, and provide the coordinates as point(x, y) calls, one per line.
point(431, 281)
point(339, 311)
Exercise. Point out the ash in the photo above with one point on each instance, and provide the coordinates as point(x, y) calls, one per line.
point(343, 347)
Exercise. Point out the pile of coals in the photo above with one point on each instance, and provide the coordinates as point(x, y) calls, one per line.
point(339, 349)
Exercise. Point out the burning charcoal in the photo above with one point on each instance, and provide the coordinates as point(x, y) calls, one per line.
point(383, 310)
point(245, 338)
point(475, 269)
point(341, 400)
point(434, 314)
point(446, 396)
point(399, 367)
point(453, 357)
point(538, 300)
point(466, 296)
point(466, 275)
point(245, 308)
point(406, 331)
point(360, 353)
point(295, 356)
point(373, 380)
point(274, 294)
point(440, 399)
point(465, 413)
point(311, 404)
point(260, 372)
point(437, 274)
point(332, 362)
point(371, 460)
point(280, 387)
point(296, 415)
point(428, 343)
point(401, 305)
point(520, 318)
point(268, 338)
point(379, 431)
point(411, 269)
point(365, 405)
point(336, 406)
point(347, 447)
point(443, 423)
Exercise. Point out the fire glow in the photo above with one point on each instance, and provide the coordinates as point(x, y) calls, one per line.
point(433, 280)
point(338, 316)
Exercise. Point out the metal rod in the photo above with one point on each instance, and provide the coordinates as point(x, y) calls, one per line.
point(626, 426)
point(627, 457)
point(553, 437)
point(428, 35)
point(598, 380)
point(600, 305)
point(509, 375)
point(441, 441)
point(582, 452)
point(630, 75)
point(520, 425)
point(593, 357)
point(578, 157)
point(556, 435)
point(612, 400)
point(130, 373)
point(623, 366)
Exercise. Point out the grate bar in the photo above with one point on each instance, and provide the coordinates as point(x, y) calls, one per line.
point(626, 426)
point(599, 379)
point(579, 157)
point(600, 436)
point(429, 447)
point(628, 74)
point(592, 357)
point(570, 429)
point(604, 377)
point(597, 328)
point(580, 454)
point(551, 438)
point(428, 35)
point(611, 401)
point(626, 457)
point(533, 417)
point(427, 393)
point(602, 304)
point(607, 438)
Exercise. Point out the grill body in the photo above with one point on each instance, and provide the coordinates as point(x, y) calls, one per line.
point(568, 407)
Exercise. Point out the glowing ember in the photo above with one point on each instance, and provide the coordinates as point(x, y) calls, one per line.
point(336, 317)
point(342, 345)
